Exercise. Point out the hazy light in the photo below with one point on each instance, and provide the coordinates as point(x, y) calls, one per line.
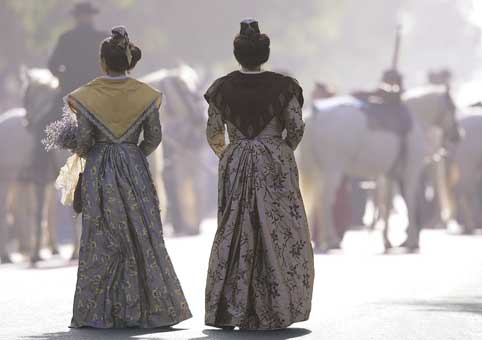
point(476, 13)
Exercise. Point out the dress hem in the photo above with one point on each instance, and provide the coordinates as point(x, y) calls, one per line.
point(90, 325)
point(237, 324)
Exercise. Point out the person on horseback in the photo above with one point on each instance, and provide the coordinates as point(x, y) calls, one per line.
point(74, 59)
point(441, 76)
point(385, 105)
point(73, 62)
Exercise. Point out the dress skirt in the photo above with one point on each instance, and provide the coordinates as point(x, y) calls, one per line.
point(125, 276)
point(261, 268)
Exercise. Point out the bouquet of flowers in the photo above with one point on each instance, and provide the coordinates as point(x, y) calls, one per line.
point(61, 134)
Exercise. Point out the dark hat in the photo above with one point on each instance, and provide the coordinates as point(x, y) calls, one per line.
point(392, 81)
point(442, 76)
point(392, 77)
point(84, 8)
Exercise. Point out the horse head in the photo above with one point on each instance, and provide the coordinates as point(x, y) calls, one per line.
point(434, 108)
point(450, 125)
point(182, 101)
point(41, 90)
point(321, 91)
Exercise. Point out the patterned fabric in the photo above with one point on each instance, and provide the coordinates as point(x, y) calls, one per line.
point(125, 276)
point(261, 268)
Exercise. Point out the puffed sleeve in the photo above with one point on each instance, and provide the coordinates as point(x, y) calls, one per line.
point(215, 130)
point(152, 132)
point(293, 121)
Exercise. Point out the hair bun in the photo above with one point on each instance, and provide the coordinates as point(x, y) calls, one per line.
point(118, 52)
point(251, 50)
point(119, 31)
point(136, 55)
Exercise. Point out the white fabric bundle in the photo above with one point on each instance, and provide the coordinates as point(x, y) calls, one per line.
point(68, 178)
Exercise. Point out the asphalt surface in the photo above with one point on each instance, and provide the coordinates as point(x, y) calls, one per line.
point(359, 294)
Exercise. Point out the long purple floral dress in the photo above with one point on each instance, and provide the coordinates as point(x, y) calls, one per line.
point(125, 276)
point(261, 267)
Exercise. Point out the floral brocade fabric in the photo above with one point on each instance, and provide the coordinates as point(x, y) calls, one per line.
point(125, 276)
point(261, 269)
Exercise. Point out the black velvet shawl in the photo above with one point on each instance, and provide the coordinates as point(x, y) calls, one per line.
point(250, 101)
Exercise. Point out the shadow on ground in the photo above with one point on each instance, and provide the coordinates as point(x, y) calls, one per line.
point(163, 334)
point(467, 305)
point(104, 334)
point(217, 334)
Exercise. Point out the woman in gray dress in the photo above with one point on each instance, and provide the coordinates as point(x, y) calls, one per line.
point(125, 276)
point(261, 266)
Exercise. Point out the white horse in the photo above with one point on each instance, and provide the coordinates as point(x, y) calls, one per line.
point(466, 172)
point(182, 159)
point(30, 204)
point(339, 142)
point(436, 112)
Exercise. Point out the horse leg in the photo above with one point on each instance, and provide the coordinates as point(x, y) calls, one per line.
point(411, 187)
point(374, 199)
point(50, 210)
point(343, 207)
point(359, 202)
point(21, 210)
point(443, 191)
point(189, 203)
point(307, 188)
point(39, 208)
point(327, 237)
point(4, 256)
point(312, 195)
point(77, 225)
point(387, 199)
point(470, 211)
point(173, 186)
point(156, 169)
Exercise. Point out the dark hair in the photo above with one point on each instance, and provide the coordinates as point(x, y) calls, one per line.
point(113, 52)
point(251, 50)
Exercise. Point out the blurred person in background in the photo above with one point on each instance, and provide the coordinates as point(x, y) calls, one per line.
point(261, 268)
point(385, 104)
point(74, 60)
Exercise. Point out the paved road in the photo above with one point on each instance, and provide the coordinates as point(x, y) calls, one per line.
point(359, 294)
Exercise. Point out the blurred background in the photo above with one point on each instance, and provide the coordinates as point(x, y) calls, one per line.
point(332, 48)
point(342, 43)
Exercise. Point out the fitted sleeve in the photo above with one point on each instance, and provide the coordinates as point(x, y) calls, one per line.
point(215, 130)
point(84, 136)
point(152, 132)
point(293, 121)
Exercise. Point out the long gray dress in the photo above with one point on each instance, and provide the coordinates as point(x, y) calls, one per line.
point(125, 276)
point(261, 266)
